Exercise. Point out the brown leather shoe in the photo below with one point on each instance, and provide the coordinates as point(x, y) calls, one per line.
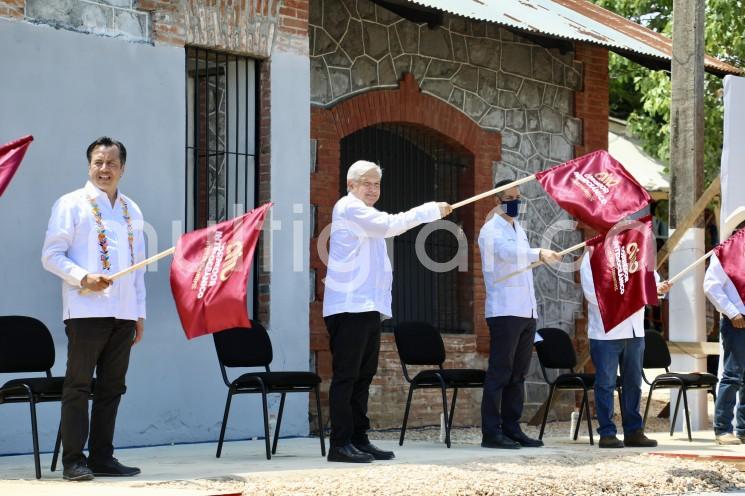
point(610, 442)
point(637, 439)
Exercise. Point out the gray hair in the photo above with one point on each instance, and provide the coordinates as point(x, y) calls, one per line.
point(362, 167)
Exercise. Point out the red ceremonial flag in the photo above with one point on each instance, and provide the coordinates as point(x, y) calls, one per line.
point(594, 188)
point(622, 264)
point(11, 155)
point(731, 255)
point(210, 271)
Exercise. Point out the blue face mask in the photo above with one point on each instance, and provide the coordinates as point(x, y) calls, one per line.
point(511, 207)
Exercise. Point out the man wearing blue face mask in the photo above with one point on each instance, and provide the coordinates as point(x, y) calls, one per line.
point(511, 313)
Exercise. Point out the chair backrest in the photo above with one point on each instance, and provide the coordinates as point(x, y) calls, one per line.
point(244, 347)
point(419, 343)
point(556, 350)
point(656, 353)
point(25, 345)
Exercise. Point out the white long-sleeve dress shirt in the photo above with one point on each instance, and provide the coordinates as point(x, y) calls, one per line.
point(721, 291)
point(359, 276)
point(632, 327)
point(72, 250)
point(504, 249)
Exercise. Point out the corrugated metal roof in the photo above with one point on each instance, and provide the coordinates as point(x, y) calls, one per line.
point(578, 20)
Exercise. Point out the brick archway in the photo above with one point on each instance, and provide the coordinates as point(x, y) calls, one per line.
point(403, 105)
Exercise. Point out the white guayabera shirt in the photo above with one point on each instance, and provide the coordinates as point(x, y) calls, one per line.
point(721, 291)
point(504, 250)
point(72, 250)
point(359, 277)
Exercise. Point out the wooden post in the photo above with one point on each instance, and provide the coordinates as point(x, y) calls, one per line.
point(687, 306)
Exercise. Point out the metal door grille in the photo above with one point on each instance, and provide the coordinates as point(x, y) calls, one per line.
point(221, 136)
point(417, 167)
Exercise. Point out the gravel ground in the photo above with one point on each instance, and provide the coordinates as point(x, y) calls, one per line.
point(581, 474)
point(576, 473)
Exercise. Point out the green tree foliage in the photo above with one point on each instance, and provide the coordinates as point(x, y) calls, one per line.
point(642, 96)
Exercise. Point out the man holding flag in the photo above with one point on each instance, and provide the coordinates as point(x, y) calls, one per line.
point(357, 296)
point(623, 343)
point(511, 313)
point(724, 285)
point(94, 232)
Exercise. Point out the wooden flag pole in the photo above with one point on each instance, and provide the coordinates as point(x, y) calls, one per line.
point(136, 266)
point(539, 262)
point(492, 191)
point(685, 271)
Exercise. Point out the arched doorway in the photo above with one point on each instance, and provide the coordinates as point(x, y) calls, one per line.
point(418, 166)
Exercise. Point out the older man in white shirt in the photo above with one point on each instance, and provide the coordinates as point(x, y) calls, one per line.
point(511, 314)
point(623, 345)
point(720, 290)
point(357, 296)
point(93, 233)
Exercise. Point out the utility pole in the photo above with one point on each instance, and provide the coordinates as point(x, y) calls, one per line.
point(687, 317)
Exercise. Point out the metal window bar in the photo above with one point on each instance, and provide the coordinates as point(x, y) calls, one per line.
point(222, 123)
point(418, 166)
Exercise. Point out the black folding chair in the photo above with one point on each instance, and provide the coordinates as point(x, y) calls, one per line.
point(657, 356)
point(419, 343)
point(251, 347)
point(557, 352)
point(26, 346)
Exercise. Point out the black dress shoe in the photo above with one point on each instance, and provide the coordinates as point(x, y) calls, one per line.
point(376, 452)
point(523, 440)
point(610, 442)
point(77, 472)
point(348, 454)
point(112, 468)
point(637, 439)
point(499, 441)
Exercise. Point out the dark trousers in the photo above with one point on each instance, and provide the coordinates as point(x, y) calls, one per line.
point(355, 343)
point(510, 351)
point(103, 345)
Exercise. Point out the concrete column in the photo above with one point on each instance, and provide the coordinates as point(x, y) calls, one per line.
point(687, 307)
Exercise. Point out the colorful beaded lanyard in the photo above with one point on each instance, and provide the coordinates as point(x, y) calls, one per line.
point(103, 242)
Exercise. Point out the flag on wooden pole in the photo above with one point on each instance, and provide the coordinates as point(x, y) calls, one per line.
point(622, 264)
point(210, 271)
point(11, 155)
point(594, 188)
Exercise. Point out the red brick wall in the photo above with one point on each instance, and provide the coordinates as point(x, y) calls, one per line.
point(12, 8)
point(592, 106)
point(405, 105)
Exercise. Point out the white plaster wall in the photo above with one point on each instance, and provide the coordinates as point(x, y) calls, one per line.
point(290, 191)
point(66, 89)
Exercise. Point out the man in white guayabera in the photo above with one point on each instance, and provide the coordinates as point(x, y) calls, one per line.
point(93, 233)
point(357, 297)
point(511, 312)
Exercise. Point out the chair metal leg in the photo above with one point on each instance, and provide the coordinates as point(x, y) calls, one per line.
point(580, 417)
point(35, 435)
point(685, 409)
point(266, 424)
point(545, 412)
point(675, 415)
point(224, 424)
point(279, 422)
point(646, 409)
point(320, 420)
point(57, 444)
point(406, 416)
point(713, 392)
point(589, 418)
point(445, 412)
point(452, 409)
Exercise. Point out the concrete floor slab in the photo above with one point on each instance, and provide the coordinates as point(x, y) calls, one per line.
point(180, 469)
